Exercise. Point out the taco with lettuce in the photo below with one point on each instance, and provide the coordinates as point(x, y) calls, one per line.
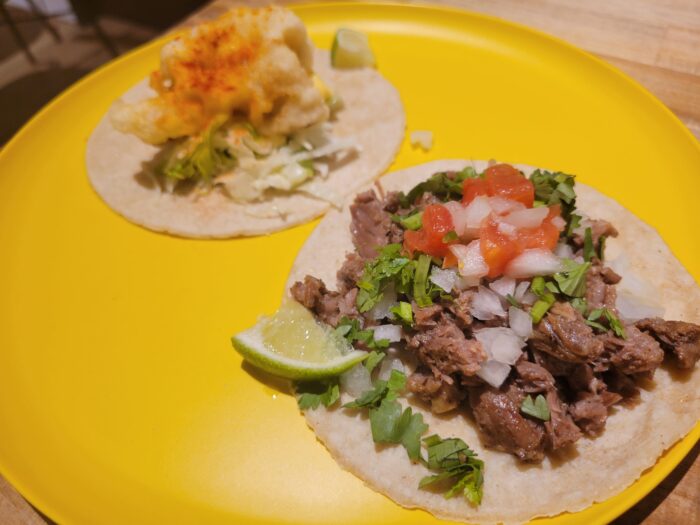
point(531, 345)
point(244, 129)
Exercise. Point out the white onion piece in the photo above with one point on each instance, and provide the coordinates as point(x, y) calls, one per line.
point(504, 286)
point(507, 229)
point(383, 308)
point(501, 206)
point(389, 364)
point(459, 216)
point(445, 279)
point(486, 305)
point(558, 223)
point(422, 138)
point(476, 212)
point(356, 381)
point(391, 332)
point(527, 218)
point(533, 262)
point(470, 262)
point(564, 251)
point(520, 322)
point(633, 308)
point(500, 344)
point(494, 372)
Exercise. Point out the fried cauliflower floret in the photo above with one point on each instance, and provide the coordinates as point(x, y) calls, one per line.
point(257, 63)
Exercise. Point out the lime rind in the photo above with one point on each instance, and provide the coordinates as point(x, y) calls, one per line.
point(250, 345)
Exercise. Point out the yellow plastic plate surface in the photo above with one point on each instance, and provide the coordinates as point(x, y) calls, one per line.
point(121, 400)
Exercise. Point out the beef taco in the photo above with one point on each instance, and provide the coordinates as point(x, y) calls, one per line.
point(245, 129)
point(531, 343)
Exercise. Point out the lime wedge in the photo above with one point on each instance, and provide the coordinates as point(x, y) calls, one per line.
point(351, 49)
point(291, 343)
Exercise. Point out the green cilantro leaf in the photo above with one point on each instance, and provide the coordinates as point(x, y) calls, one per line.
point(574, 223)
point(412, 221)
point(546, 298)
point(601, 247)
point(556, 188)
point(579, 304)
point(403, 311)
point(450, 236)
point(572, 279)
point(373, 359)
point(614, 323)
point(350, 330)
point(536, 408)
point(458, 462)
point(420, 281)
point(314, 393)
point(377, 274)
point(588, 251)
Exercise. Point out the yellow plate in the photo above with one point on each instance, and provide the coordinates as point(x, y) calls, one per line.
point(121, 400)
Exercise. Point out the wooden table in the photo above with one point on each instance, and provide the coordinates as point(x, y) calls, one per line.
point(657, 42)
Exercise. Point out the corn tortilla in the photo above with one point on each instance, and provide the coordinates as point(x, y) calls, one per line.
point(594, 469)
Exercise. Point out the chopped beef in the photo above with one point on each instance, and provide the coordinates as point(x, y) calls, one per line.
point(561, 429)
point(621, 384)
point(441, 395)
point(426, 316)
point(392, 201)
point(460, 307)
point(329, 307)
point(350, 273)
point(564, 334)
point(370, 224)
point(553, 365)
point(638, 352)
point(582, 378)
point(600, 289)
point(446, 350)
point(590, 411)
point(677, 337)
point(599, 228)
point(503, 427)
point(533, 378)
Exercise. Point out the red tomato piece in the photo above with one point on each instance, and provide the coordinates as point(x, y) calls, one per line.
point(437, 222)
point(472, 188)
point(546, 235)
point(503, 180)
point(497, 248)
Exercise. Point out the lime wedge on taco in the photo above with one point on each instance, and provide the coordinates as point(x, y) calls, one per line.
point(291, 343)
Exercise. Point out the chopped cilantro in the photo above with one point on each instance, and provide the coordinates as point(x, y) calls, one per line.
point(442, 185)
point(574, 223)
point(377, 274)
point(601, 247)
point(314, 393)
point(457, 462)
point(614, 323)
point(572, 279)
point(546, 299)
point(513, 301)
point(373, 359)
point(556, 188)
point(579, 304)
point(450, 236)
point(350, 330)
point(536, 408)
point(412, 221)
point(404, 312)
point(420, 281)
point(588, 251)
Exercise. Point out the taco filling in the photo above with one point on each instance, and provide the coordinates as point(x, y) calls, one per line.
point(490, 293)
point(237, 106)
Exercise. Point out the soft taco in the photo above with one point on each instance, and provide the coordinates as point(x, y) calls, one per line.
point(245, 129)
point(521, 323)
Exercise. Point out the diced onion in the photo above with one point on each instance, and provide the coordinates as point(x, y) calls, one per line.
point(558, 223)
point(564, 251)
point(533, 262)
point(486, 305)
point(504, 286)
point(422, 138)
point(445, 279)
point(501, 206)
point(507, 229)
point(494, 372)
point(467, 219)
point(383, 308)
point(523, 294)
point(500, 344)
point(356, 381)
point(389, 364)
point(391, 332)
point(459, 216)
point(527, 218)
point(520, 322)
point(470, 262)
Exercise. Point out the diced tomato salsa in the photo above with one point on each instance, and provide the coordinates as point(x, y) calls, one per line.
point(498, 247)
